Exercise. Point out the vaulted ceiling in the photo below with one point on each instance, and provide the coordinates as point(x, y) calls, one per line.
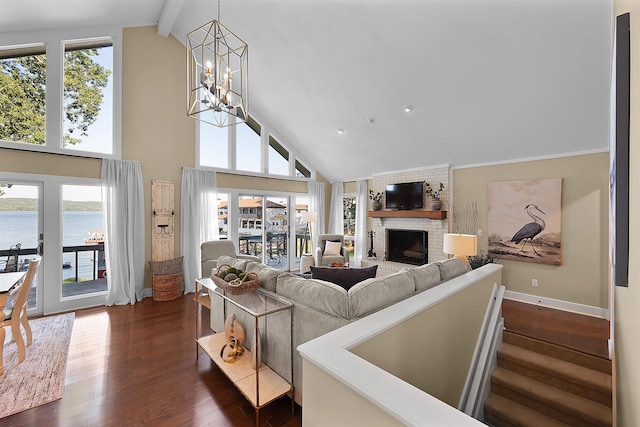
point(488, 80)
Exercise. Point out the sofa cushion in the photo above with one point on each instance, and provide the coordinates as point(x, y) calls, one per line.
point(426, 276)
point(323, 296)
point(452, 267)
point(374, 294)
point(231, 262)
point(343, 276)
point(267, 275)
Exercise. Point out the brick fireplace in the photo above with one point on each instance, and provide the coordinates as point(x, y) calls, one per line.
point(435, 228)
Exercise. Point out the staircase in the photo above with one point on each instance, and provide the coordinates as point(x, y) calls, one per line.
point(537, 383)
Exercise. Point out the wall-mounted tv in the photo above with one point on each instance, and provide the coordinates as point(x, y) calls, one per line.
point(404, 196)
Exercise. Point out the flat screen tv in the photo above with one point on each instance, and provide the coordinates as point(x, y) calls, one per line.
point(404, 196)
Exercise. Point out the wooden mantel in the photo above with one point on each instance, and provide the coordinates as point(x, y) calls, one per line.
point(408, 214)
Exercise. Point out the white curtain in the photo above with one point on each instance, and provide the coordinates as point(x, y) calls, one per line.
point(199, 220)
point(123, 206)
point(336, 214)
point(316, 204)
point(361, 221)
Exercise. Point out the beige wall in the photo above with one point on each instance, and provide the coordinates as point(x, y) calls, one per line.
point(155, 127)
point(582, 277)
point(627, 300)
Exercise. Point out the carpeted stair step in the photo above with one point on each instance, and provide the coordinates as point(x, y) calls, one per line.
point(502, 412)
point(585, 382)
point(559, 352)
point(547, 399)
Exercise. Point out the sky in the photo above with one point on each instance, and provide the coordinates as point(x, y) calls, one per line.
point(80, 193)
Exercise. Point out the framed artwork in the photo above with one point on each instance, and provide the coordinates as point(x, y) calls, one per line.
point(524, 220)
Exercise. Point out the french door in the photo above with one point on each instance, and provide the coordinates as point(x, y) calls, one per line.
point(74, 248)
point(59, 219)
point(263, 228)
point(21, 230)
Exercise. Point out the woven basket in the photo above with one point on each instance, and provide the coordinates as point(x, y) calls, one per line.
point(166, 279)
point(250, 282)
point(166, 287)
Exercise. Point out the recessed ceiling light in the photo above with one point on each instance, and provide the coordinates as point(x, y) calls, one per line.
point(370, 120)
point(407, 108)
point(340, 131)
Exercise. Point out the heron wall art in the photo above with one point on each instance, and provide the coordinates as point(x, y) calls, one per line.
point(525, 220)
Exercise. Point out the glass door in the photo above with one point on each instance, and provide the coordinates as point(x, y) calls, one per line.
point(277, 232)
point(21, 232)
point(263, 228)
point(81, 279)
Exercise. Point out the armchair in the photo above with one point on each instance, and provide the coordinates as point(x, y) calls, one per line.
point(324, 255)
point(212, 250)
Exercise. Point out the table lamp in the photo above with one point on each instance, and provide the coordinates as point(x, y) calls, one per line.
point(460, 245)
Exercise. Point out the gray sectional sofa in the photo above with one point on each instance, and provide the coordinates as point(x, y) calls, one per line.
point(320, 306)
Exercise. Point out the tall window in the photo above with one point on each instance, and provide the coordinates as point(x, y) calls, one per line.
point(278, 158)
point(32, 92)
point(244, 148)
point(22, 94)
point(248, 146)
point(88, 96)
point(214, 145)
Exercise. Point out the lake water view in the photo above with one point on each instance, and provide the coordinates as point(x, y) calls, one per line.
point(22, 227)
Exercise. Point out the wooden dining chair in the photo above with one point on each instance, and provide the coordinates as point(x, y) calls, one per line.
point(17, 314)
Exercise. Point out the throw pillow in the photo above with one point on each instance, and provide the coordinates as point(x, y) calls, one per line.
point(343, 276)
point(332, 248)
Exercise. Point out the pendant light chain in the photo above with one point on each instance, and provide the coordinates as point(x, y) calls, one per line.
point(218, 10)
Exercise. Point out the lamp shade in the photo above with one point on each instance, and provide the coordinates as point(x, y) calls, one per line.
point(460, 244)
point(309, 216)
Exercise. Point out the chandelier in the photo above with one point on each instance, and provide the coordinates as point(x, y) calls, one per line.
point(217, 75)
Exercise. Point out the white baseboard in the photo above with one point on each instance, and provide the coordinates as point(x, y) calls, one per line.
point(588, 310)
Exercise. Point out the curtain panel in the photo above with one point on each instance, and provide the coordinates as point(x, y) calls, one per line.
point(123, 207)
point(199, 220)
point(336, 214)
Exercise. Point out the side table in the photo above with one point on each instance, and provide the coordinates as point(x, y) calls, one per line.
point(257, 382)
point(306, 261)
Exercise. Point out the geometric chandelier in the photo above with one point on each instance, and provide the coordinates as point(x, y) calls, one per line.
point(217, 75)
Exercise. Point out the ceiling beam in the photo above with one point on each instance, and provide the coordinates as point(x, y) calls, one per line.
point(168, 16)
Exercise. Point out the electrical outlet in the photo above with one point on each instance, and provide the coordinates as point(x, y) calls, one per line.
point(479, 232)
point(534, 283)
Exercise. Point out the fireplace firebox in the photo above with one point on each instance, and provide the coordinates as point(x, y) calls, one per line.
point(407, 246)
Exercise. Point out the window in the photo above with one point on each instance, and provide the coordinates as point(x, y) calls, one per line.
point(88, 96)
point(302, 171)
point(214, 145)
point(47, 74)
point(223, 215)
point(349, 223)
point(278, 158)
point(22, 97)
point(248, 146)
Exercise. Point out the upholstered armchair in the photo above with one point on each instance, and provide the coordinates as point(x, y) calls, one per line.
point(331, 249)
point(212, 250)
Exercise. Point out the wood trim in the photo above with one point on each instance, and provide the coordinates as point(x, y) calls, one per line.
point(408, 214)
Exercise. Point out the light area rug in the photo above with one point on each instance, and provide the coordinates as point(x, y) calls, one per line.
point(39, 379)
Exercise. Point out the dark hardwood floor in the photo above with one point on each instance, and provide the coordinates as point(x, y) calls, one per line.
point(583, 333)
point(136, 365)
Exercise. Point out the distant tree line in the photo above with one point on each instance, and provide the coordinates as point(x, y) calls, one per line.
point(20, 204)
